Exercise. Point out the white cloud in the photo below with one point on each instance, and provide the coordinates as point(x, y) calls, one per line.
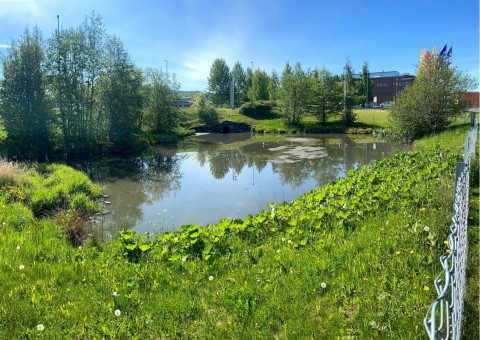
point(4, 46)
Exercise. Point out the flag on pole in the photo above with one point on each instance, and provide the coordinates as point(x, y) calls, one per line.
point(449, 57)
point(443, 52)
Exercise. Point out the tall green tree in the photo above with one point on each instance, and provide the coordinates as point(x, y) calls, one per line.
point(273, 85)
point(433, 100)
point(349, 87)
point(121, 97)
point(293, 93)
point(325, 94)
point(219, 82)
point(161, 110)
point(249, 78)
point(240, 83)
point(259, 89)
point(76, 59)
point(23, 100)
point(365, 86)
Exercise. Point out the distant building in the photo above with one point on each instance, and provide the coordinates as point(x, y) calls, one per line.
point(473, 99)
point(387, 85)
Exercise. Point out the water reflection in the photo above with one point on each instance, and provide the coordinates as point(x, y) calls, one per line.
point(212, 176)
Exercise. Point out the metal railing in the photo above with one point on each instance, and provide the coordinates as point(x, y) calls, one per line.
point(444, 317)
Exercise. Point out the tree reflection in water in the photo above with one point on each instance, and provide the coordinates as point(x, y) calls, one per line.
point(243, 173)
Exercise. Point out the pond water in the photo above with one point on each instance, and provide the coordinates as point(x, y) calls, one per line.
point(213, 176)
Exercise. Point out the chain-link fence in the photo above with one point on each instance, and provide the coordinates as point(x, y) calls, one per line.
point(444, 317)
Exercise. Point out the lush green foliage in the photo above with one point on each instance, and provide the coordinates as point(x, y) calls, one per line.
point(354, 258)
point(23, 99)
point(206, 112)
point(121, 97)
point(80, 92)
point(325, 100)
point(240, 84)
point(219, 82)
point(293, 95)
point(433, 100)
point(259, 89)
point(261, 109)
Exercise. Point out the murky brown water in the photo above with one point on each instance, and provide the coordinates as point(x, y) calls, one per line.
point(217, 176)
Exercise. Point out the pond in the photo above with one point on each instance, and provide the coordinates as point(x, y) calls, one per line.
point(212, 176)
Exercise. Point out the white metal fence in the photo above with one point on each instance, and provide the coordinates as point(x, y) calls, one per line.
point(444, 317)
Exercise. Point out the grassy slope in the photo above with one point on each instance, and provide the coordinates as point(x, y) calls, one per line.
point(374, 119)
point(374, 239)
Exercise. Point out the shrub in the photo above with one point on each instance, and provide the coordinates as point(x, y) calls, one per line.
point(431, 102)
point(206, 112)
point(247, 109)
point(261, 108)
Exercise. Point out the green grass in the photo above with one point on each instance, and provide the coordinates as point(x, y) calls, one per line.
point(275, 123)
point(471, 329)
point(355, 258)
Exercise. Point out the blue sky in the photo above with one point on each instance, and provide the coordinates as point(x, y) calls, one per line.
point(190, 34)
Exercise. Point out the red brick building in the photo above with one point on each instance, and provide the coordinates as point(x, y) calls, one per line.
point(388, 84)
point(473, 99)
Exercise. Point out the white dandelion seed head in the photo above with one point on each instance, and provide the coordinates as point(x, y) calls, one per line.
point(117, 312)
point(21, 267)
point(323, 285)
point(289, 241)
point(278, 251)
point(184, 259)
point(283, 239)
point(18, 248)
point(426, 229)
point(40, 327)
point(210, 278)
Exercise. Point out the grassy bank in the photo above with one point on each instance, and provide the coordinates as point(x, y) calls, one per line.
point(354, 258)
point(367, 121)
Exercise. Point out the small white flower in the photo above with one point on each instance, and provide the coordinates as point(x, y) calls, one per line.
point(289, 241)
point(210, 278)
point(79, 247)
point(40, 327)
point(175, 239)
point(21, 267)
point(278, 251)
point(117, 312)
point(18, 247)
point(114, 293)
point(184, 259)
point(323, 285)
point(283, 239)
point(427, 229)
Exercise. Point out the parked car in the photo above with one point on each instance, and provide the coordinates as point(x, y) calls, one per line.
point(386, 104)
